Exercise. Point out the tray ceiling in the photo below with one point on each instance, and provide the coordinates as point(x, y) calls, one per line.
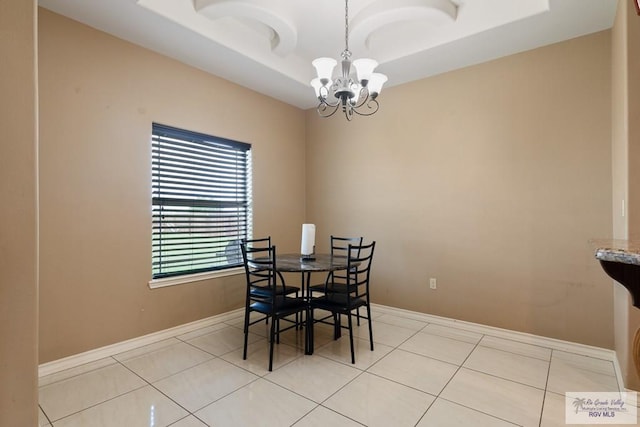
point(269, 46)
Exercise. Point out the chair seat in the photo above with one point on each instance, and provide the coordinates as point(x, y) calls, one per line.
point(265, 291)
point(284, 306)
point(339, 288)
point(338, 302)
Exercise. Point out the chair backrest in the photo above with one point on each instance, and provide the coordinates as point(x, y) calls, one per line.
point(262, 242)
point(359, 268)
point(340, 245)
point(260, 266)
point(233, 251)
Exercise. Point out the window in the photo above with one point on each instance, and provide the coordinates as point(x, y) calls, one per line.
point(201, 197)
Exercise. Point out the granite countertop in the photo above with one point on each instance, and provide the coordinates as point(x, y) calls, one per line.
point(622, 251)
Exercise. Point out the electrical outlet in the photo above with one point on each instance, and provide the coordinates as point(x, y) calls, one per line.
point(432, 283)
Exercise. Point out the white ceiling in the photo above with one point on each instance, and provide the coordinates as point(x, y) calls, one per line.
point(268, 46)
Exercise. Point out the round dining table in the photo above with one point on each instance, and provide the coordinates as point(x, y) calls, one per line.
point(296, 263)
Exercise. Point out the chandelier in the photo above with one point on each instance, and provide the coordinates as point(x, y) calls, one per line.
point(351, 95)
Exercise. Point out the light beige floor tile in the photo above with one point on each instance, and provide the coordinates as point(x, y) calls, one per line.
point(137, 352)
point(142, 407)
point(202, 331)
point(600, 366)
point(383, 333)
point(313, 377)
point(448, 414)
point(375, 401)
point(74, 394)
point(403, 322)
point(413, 370)
point(296, 337)
point(438, 347)
point(75, 371)
point(340, 351)
point(453, 333)
point(260, 328)
point(498, 385)
point(42, 419)
point(553, 412)
point(166, 361)
point(507, 400)
point(323, 417)
point(322, 334)
point(222, 341)
point(258, 356)
point(566, 376)
point(516, 347)
point(510, 366)
point(260, 403)
point(377, 312)
point(189, 421)
point(203, 384)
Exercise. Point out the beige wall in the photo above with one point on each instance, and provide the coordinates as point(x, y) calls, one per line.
point(491, 179)
point(18, 215)
point(626, 166)
point(633, 71)
point(99, 97)
point(620, 174)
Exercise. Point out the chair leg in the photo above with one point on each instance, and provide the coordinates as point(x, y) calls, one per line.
point(353, 357)
point(272, 336)
point(370, 328)
point(246, 333)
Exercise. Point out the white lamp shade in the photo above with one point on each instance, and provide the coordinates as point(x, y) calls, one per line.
point(364, 68)
point(316, 84)
point(324, 68)
point(375, 83)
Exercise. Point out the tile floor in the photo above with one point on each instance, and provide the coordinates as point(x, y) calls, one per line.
point(420, 374)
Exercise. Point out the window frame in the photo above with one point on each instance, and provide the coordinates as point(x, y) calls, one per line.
point(200, 185)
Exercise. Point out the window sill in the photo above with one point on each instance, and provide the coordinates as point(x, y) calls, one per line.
point(190, 278)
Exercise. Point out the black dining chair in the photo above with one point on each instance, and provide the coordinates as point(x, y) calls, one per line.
point(266, 295)
point(263, 243)
point(357, 275)
point(336, 280)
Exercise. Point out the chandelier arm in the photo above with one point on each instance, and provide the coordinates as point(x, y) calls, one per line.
point(348, 112)
point(372, 107)
point(327, 110)
point(363, 96)
point(324, 96)
point(328, 104)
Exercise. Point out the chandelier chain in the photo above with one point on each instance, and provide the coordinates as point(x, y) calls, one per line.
point(346, 26)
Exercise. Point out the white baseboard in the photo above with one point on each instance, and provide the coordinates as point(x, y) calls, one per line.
point(552, 343)
point(113, 349)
